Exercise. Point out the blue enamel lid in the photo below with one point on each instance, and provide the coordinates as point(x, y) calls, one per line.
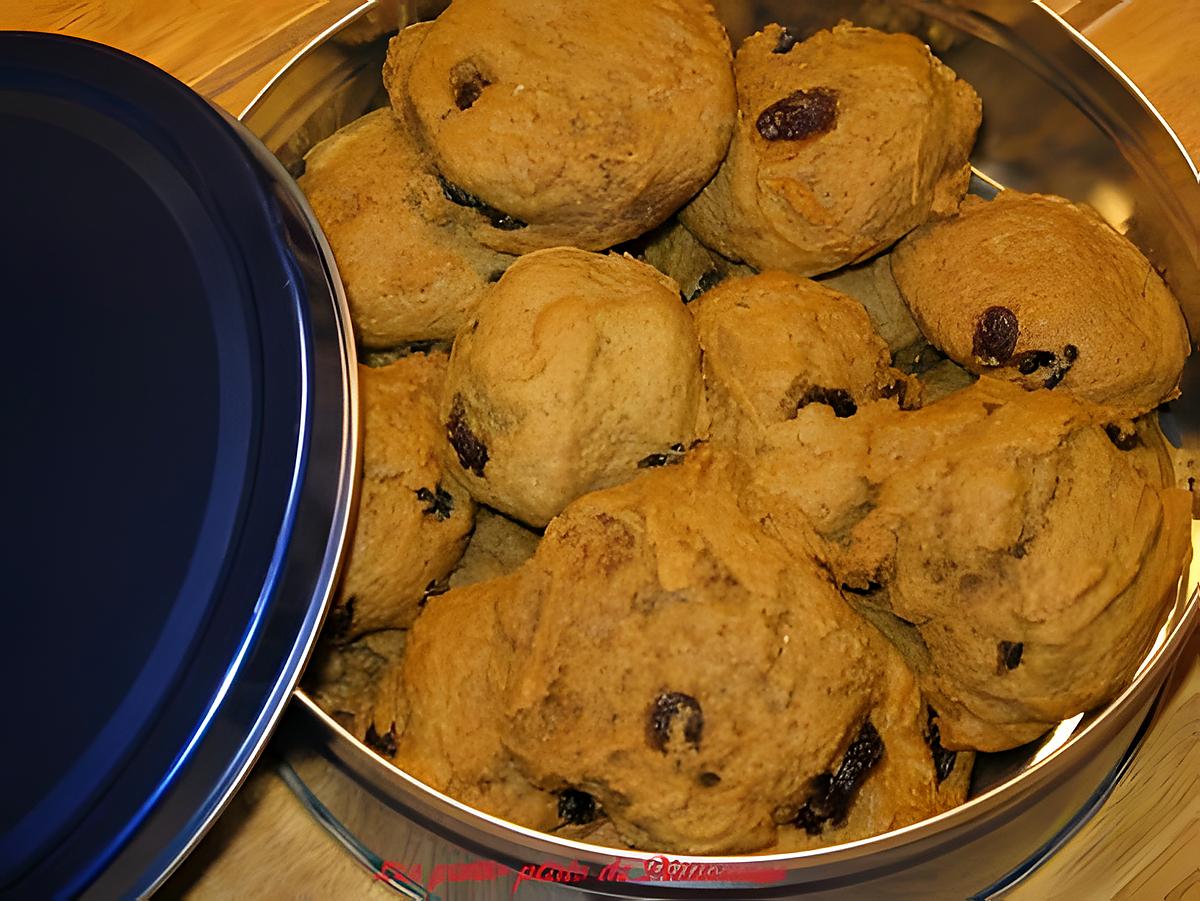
point(179, 454)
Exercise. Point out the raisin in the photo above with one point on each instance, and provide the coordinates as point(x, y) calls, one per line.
point(340, 618)
point(1031, 361)
point(1121, 440)
point(832, 795)
point(708, 780)
point(787, 41)
point(943, 760)
point(799, 115)
point(667, 707)
point(995, 336)
point(461, 197)
point(838, 398)
point(670, 457)
point(434, 589)
point(708, 281)
point(468, 83)
point(440, 501)
point(472, 453)
point(384, 744)
point(576, 807)
point(1008, 656)
point(1070, 353)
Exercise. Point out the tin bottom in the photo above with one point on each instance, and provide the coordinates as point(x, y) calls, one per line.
point(422, 865)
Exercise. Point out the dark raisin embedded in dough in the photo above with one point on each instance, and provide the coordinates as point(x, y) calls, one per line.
point(340, 618)
point(384, 744)
point(832, 795)
point(995, 336)
point(576, 807)
point(838, 398)
point(1121, 440)
point(468, 83)
point(1031, 361)
point(670, 457)
point(943, 760)
point(472, 453)
point(799, 115)
point(673, 711)
point(496, 218)
point(440, 501)
point(786, 42)
point(1069, 355)
point(708, 780)
point(1009, 655)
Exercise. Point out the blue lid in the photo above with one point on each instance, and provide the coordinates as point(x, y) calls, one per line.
point(178, 446)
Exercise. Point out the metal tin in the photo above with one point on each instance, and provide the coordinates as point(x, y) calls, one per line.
point(1059, 118)
point(182, 440)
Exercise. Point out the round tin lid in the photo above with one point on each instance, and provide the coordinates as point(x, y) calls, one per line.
point(179, 441)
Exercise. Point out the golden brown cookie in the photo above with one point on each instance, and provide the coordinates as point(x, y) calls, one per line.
point(413, 519)
point(697, 678)
point(575, 367)
point(775, 343)
point(449, 707)
point(1041, 292)
point(410, 268)
point(572, 122)
point(844, 143)
point(1019, 549)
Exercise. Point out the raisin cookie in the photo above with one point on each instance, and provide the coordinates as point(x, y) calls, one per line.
point(694, 676)
point(575, 367)
point(572, 122)
point(1041, 292)
point(1019, 549)
point(413, 520)
point(445, 716)
point(409, 266)
point(775, 343)
point(844, 143)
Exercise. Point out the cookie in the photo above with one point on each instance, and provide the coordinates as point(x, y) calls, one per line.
point(449, 708)
point(1019, 549)
point(775, 343)
point(497, 547)
point(575, 368)
point(845, 142)
point(344, 679)
point(413, 519)
point(872, 285)
point(694, 676)
point(571, 122)
point(1042, 292)
point(409, 265)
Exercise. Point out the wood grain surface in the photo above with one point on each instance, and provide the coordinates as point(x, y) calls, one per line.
point(1145, 841)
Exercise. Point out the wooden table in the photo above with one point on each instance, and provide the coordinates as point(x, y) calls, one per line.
point(1145, 841)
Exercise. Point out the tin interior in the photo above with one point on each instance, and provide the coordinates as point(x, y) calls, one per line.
point(1058, 118)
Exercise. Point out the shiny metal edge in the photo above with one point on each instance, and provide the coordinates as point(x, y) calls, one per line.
point(347, 479)
point(1148, 679)
point(354, 15)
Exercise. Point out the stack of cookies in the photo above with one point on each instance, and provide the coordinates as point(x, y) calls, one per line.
point(730, 477)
